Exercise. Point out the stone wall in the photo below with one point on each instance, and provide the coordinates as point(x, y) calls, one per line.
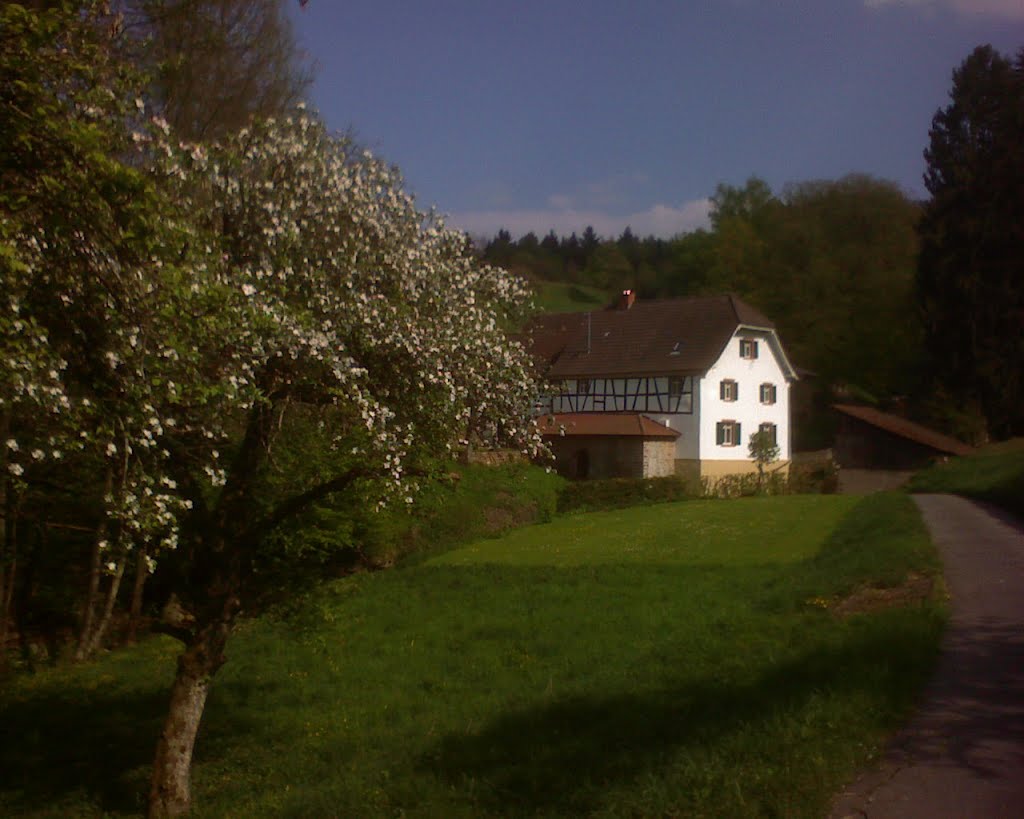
point(659, 458)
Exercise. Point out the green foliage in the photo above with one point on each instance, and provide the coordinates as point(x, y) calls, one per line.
point(814, 478)
point(970, 278)
point(681, 672)
point(995, 474)
point(745, 485)
point(460, 503)
point(832, 263)
point(217, 64)
point(619, 493)
point(763, 449)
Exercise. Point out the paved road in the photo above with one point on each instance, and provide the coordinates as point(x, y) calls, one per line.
point(963, 754)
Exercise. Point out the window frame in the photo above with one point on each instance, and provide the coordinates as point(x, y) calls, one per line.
point(768, 426)
point(728, 429)
point(772, 393)
point(748, 349)
point(728, 390)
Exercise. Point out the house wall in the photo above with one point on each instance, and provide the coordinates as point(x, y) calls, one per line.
point(647, 394)
point(747, 410)
point(687, 445)
point(719, 469)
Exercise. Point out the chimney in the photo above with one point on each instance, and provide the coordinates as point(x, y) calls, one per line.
point(626, 299)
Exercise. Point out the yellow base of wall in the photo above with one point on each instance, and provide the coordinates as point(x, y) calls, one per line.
point(719, 469)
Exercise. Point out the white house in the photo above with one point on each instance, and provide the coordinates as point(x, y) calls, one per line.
point(711, 370)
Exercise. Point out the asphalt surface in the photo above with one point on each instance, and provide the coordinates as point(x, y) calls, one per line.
point(962, 755)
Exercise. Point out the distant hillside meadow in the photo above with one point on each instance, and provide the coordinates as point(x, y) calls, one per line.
point(679, 659)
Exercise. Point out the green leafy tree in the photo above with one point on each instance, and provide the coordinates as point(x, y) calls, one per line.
point(764, 451)
point(166, 305)
point(324, 286)
point(76, 226)
point(215, 64)
point(971, 273)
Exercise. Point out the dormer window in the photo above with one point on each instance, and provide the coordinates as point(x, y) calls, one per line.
point(748, 348)
point(728, 390)
point(767, 393)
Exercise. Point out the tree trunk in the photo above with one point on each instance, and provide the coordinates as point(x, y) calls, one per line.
point(135, 610)
point(95, 640)
point(8, 576)
point(95, 572)
point(170, 792)
point(8, 564)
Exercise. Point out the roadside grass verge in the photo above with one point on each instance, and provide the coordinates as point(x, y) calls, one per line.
point(669, 660)
point(994, 474)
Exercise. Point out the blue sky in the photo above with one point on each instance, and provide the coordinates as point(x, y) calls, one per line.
point(536, 115)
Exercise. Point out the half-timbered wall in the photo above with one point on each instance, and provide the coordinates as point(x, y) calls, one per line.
point(665, 395)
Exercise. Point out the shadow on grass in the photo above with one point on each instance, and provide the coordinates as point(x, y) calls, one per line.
point(564, 756)
point(94, 748)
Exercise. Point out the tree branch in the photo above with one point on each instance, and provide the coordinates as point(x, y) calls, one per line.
point(298, 503)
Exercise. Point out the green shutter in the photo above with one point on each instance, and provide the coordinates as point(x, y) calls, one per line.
point(738, 440)
point(735, 391)
point(719, 433)
point(755, 349)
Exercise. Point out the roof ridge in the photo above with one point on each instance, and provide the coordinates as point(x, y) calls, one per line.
point(732, 304)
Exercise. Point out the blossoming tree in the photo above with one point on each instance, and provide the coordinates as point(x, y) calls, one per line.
point(280, 268)
point(313, 279)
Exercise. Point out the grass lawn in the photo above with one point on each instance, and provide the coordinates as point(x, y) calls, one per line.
point(670, 660)
point(995, 474)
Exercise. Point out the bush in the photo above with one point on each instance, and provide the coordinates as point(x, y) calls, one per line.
point(819, 478)
point(467, 502)
point(618, 493)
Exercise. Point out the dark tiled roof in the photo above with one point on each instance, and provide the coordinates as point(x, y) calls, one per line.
point(905, 429)
point(631, 424)
point(683, 336)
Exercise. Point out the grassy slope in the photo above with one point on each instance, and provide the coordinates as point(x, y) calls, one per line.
point(995, 474)
point(563, 297)
point(654, 661)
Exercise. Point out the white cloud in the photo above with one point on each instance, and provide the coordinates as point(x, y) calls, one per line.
point(992, 8)
point(659, 220)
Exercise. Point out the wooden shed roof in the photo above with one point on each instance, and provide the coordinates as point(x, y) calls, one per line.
point(896, 425)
